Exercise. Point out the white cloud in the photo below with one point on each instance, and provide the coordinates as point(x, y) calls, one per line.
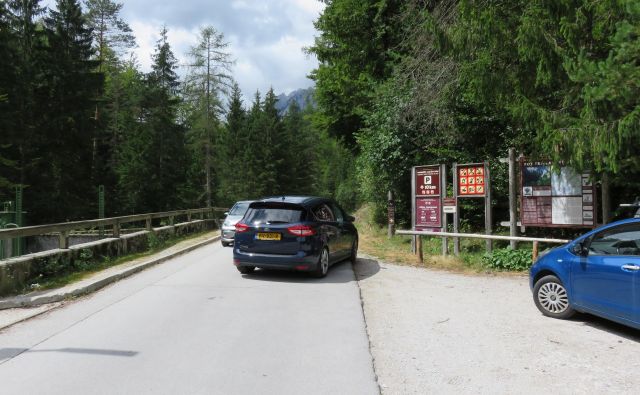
point(266, 37)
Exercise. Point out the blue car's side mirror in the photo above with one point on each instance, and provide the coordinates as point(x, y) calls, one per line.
point(580, 249)
point(351, 218)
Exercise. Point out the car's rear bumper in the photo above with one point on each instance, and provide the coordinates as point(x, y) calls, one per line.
point(302, 261)
point(227, 235)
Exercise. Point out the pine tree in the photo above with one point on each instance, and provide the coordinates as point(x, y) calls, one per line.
point(112, 35)
point(232, 187)
point(152, 166)
point(22, 139)
point(72, 84)
point(274, 168)
point(301, 155)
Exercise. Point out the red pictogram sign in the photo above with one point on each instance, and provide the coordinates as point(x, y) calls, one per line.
point(471, 180)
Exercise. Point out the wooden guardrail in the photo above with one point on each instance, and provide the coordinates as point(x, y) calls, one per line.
point(535, 240)
point(64, 228)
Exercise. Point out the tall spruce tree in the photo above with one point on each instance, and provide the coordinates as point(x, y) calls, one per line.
point(152, 164)
point(273, 169)
point(72, 84)
point(234, 141)
point(23, 135)
point(7, 78)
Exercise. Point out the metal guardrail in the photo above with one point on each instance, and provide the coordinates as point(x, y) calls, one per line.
point(65, 228)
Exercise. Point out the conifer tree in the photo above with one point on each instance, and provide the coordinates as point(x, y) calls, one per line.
point(72, 84)
point(208, 79)
point(152, 167)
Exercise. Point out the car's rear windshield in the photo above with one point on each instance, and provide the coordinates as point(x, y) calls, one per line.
point(273, 215)
point(239, 209)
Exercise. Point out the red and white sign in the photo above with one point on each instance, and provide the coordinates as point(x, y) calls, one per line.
point(428, 181)
point(427, 199)
point(472, 180)
point(428, 211)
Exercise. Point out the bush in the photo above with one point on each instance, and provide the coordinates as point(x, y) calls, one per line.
point(508, 259)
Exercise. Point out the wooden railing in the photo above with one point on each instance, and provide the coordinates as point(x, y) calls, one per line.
point(64, 228)
point(534, 240)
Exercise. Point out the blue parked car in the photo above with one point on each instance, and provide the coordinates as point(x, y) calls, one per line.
point(597, 273)
point(300, 233)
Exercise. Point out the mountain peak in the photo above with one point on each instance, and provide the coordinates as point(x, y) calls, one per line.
point(302, 97)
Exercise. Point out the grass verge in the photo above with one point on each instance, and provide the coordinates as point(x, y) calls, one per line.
point(374, 242)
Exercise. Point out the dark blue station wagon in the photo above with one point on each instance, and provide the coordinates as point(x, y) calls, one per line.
point(299, 233)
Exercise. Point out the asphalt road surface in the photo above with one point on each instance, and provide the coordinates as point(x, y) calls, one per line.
point(194, 325)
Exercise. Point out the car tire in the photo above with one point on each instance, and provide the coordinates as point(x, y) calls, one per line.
point(246, 269)
point(323, 264)
point(225, 244)
point(552, 298)
point(354, 251)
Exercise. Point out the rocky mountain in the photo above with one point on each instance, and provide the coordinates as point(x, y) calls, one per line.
point(303, 97)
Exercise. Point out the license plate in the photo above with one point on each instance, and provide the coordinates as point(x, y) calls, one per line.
point(268, 236)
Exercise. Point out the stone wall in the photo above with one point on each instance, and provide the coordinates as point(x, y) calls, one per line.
point(20, 272)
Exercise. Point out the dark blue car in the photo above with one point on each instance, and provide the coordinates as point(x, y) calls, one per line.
point(597, 273)
point(299, 233)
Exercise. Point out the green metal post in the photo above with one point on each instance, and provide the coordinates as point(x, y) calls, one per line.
point(101, 207)
point(17, 242)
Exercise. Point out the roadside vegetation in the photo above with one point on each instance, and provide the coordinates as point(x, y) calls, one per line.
point(472, 258)
point(56, 273)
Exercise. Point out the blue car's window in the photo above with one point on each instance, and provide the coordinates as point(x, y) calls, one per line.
point(623, 240)
point(263, 215)
point(239, 209)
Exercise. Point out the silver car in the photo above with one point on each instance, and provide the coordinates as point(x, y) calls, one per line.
point(233, 216)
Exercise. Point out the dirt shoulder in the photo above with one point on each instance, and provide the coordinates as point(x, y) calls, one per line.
point(440, 332)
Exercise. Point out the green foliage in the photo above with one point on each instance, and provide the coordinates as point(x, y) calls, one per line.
point(156, 241)
point(356, 50)
point(84, 260)
point(508, 259)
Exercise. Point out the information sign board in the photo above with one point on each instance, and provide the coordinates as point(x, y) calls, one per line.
point(427, 199)
point(556, 198)
point(428, 181)
point(428, 211)
point(472, 180)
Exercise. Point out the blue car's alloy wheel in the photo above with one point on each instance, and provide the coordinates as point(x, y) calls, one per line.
point(551, 297)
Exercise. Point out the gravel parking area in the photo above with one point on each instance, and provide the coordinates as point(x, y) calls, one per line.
point(440, 332)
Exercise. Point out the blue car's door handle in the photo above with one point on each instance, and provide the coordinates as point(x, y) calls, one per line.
point(634, 268)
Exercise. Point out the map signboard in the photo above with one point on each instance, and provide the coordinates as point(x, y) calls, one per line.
point(427, 199)
point(556, 198)
point(471, 180)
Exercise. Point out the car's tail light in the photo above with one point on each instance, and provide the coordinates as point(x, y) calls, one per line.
point(301, 230)
point(240, 227)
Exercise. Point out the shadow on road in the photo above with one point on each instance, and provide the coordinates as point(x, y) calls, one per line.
point(607, 326)
point(365, 268)
point(7, 353)
point(340, 272)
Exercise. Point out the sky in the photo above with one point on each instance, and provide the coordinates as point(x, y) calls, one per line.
point(266, 37)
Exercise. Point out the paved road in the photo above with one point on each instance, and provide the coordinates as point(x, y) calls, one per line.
point(194, 325)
